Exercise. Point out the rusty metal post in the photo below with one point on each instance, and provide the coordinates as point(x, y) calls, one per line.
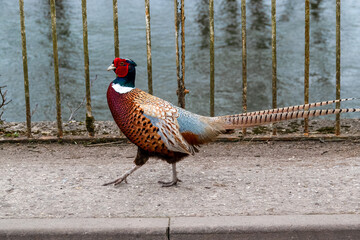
point(181, 91)
point(274, 62)
point(148, 45)
point(244, 60)
point(337, 125)
point(181, 102)
point(307, 62)
point(56, 69)
point(212, 59)
point(25, 68)
point(89, 117)
point(116, 28)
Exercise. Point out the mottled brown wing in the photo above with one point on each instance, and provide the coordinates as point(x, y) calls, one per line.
point(163, 116)
point(149, 122)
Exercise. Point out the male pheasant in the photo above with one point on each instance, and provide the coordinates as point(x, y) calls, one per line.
point(170, 133)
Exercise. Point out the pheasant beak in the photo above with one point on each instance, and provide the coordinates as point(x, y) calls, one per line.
point(111, 67)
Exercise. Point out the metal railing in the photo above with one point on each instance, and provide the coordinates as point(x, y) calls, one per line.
point(179, 19)
point(274, 61)
point(25, 68)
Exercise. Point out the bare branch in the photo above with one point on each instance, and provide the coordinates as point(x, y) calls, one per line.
point(74, 112)
point(3, 100)
point(34, 110)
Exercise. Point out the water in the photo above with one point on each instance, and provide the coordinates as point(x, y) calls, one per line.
point(290, 50)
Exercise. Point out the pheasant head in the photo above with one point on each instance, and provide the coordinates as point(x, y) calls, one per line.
point(125, 72)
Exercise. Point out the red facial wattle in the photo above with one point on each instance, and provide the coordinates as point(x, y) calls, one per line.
point(122, 67)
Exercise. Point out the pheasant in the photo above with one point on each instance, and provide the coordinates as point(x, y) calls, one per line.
point(171, 133)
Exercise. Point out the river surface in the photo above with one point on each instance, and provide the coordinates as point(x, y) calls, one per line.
point(228, 73)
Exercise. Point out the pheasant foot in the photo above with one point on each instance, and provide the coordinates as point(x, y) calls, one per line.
point(123, 177)
point(174, 181)
point(169, 184)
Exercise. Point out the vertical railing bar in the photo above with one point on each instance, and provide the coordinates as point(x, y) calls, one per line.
point(148, 45)
point(337, 124)
point(244, 60)
point(177, 22)
point(212, 59)
point(56, 68)
point(181, 88)
point(116, 28)
point(307, 61)
point(183, 91)
point(274, 62)
point(25, 68)
point(89, 118)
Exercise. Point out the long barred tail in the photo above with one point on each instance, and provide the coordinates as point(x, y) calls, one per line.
point(296, 108)
point(239, 120)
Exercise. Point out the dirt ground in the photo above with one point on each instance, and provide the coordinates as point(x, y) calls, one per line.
point(241, 178)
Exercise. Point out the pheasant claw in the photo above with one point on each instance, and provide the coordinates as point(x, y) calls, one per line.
point(174, 181)
point(116, 182)
point(123, 177)
point(169, 184)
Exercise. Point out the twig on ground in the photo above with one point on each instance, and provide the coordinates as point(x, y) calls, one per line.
point(103, 144)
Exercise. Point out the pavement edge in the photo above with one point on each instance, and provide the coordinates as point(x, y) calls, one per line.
point(319, 227)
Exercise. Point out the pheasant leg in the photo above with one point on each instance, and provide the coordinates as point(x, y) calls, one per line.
point(174, 181)
point(123, 177)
